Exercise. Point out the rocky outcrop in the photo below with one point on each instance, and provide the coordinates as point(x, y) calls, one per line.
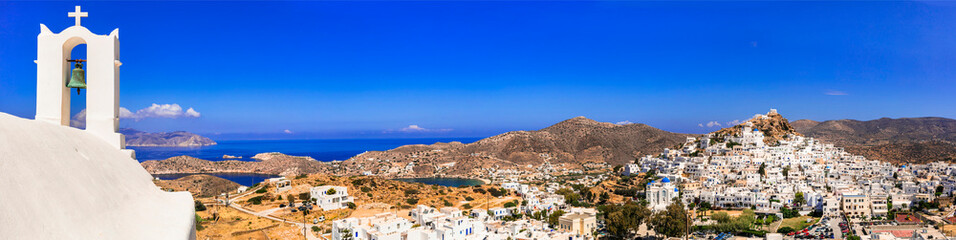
point(136, 138)
point(902, 140)
point(265, 163)
point(773, 125)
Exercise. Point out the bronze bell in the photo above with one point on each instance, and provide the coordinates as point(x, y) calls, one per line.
point(78, 78)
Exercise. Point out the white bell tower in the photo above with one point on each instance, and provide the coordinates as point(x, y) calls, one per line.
point(102, 79)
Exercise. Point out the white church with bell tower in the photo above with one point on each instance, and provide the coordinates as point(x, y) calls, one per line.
point(90, 186)
point(55, 70)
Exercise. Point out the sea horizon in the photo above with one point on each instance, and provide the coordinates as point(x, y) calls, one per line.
point(320, 149)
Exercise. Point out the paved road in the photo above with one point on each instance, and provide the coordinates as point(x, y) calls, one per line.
point(835, 226)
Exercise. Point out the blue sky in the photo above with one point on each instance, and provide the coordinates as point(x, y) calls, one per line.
point(372, 69)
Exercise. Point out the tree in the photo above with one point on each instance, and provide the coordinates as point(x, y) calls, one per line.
point(785, 230)
point(762, 170)
point(291, 199)
point(352, 205)
point(623, 221)
point(939, 190)
point(672, 222)
point(889, 203)
point(200, 207)
point(553, 219)
point(786, 172)
point(798, 199)
point(789, 213)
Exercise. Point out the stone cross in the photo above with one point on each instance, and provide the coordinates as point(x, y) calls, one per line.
point(78, 15)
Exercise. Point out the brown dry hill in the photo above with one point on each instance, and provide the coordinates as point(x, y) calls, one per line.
point(265, 163)
point(200, 185)
point(578, 140)
point(902, 140)
point(568, 144)
point(773, 125)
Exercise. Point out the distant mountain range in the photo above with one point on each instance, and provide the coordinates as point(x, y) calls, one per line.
point(902, 140)
point(136, 138)
point(569, 144)
point(577, 142)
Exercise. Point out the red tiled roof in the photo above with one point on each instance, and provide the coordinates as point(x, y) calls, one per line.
point(907, 218)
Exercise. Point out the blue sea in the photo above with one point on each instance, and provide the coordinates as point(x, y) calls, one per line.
point(320, 149)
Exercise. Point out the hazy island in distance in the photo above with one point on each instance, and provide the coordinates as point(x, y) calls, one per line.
point(136, 138)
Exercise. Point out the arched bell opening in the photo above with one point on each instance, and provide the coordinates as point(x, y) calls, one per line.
point(75, 75)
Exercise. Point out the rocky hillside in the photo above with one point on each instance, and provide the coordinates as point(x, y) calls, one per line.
point(136, 138)
point(265, 163)
point(773, 125)
point(570, 144)
point(200, 185)
point(910, 140)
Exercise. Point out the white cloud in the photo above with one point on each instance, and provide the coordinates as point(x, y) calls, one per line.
point(713, 123)
point(191, 113)
point(414, 128)
point(123, 113)
point(165, 111)
point(153, 111)
point(709, 124)
point(625, 122)
point(79, 120)
point(835, 93)
point(734, 122)
point(287, 131)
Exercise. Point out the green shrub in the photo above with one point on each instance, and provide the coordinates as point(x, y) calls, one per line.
point(352, 205)
point(255, 200)
point(366, 189)
point(316, 228)
point(469, 198)
point(200, 207)
point(412, 201)
point(261, 190)
point(785, 230)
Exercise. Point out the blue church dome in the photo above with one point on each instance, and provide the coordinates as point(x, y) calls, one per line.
point(666, 180)
point(675, 190)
